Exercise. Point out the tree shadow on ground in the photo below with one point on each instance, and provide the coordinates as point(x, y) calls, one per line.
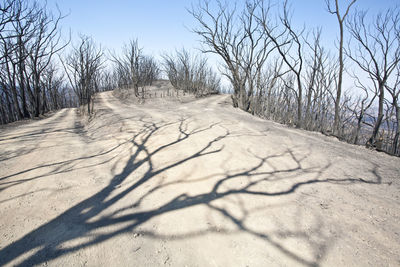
point(82, 220)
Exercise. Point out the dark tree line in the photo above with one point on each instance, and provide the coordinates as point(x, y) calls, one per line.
point(37, 75)
point(30, 83)
point(284, 73)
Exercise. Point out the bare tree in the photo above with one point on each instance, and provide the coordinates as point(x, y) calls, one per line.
point(236, 37)
point(82, 68)
point(134, 69)
point(341, 20)
point(376, 52)
point(52, 83)
point(107, 80)
point(8, 14)
point(289, 45)
point(314, 66)
point(361, 106)
point(266, 88)
point(190, 73)
point(16, 30)
point(9, 78)
point(394, 91)
point(149, 70)
point(45, 44)
point(29, 38)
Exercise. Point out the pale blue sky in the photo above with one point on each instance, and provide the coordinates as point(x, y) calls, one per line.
point(162, 25)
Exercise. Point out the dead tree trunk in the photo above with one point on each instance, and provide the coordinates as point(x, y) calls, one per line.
point(341, 20)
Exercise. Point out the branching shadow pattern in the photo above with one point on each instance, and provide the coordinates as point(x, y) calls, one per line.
point(90, 215)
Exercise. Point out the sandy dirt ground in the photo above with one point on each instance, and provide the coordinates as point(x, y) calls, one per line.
point(191, 184)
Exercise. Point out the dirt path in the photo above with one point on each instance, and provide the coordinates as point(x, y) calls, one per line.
point(195, 184)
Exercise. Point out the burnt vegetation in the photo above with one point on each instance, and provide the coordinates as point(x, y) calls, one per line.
point(274, 69)
point(284, 73)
